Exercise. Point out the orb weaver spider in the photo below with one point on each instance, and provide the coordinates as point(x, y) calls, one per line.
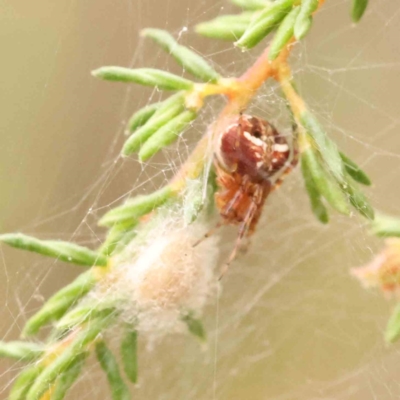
point(251, 160)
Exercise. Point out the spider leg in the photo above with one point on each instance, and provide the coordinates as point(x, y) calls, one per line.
point(236, 198)
point(224, 213)
point(245, 244)
point(243, 229)
point(208, 234)
point(277, 184)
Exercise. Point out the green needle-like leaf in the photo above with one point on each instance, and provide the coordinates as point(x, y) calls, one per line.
point(304, 19)
point(317, 206)
point(166, 135)
point(358, 8)
point(145, 132)
point(119, 391)
point(140, 117)
point(129, 354)
point(124, 241)
point(355, 171)
point(118, 236)
point(392, 332)
point(303, 27)
point(264, 23)
point(169, 109)
point(63, 362)
point(386, 226)
point(223, 30)
point(194, 199)
point(24, 382)
point(328, 149)
point(60, 302)
point(86, 312)
point(252, 4)
point(65, 251)
point(144, 76)
point(226, 27)
point(324, 183)
point(283, 34)
point(137, 207)
point(68, 378)
point(358, 200)
point(195, 326)
point(185, 57)
point(21, 351)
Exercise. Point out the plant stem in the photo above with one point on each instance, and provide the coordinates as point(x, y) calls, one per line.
point(250, 82)
point(296, 103)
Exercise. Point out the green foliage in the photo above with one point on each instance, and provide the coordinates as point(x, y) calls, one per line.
point(119, 390)
point(86, 312)
point(225, 27)
point(59, 303)
point(194, 200)
point(358, 8)
point(320, 182)
point(68, 377)
point(24, 382)
point(170, 108)
point(185, 57)
point(21, 351)
point(129, 353)
point(328, 150)
point(144, 76)
point(317, 205)
point(118, 237)
point(355, 171)
point(140, 117)
point(64, 361)
point(267, 20)
point(392, 333)
point(304, 19)
point(135, 208)
point(358, 200)
point(64, 251)
point(195, 326)
point(385, 226)
point(252, 4)
point(166, 135)
point(262, 17)
point(283, 34)
point(325, 184)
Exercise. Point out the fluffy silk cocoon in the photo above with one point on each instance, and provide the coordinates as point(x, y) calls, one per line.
point(167, 277)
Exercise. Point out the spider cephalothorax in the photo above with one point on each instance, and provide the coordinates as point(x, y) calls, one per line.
point(252, 147)
point(250, 159)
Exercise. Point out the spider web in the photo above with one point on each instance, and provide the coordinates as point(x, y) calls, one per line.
point(289, 321)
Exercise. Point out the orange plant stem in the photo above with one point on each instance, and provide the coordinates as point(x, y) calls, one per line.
point(249, 83)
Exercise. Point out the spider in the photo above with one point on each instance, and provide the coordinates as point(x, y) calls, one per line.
point(251, 159)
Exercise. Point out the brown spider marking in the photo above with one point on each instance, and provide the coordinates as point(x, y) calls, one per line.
point(251, 160)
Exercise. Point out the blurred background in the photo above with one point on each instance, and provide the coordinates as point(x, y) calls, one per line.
point(290, 322)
